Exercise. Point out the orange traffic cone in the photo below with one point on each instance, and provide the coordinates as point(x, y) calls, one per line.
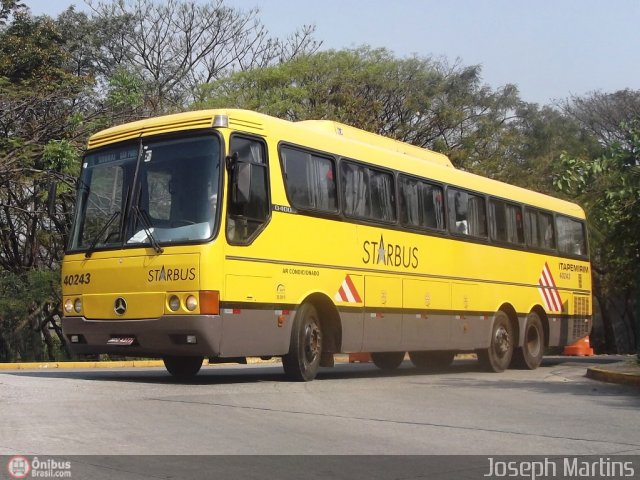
point(360, 357)
point(581, 348)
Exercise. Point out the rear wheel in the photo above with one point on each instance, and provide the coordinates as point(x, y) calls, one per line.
point(387, 360)
point(498, 356)
point(303, 360)
point(183, 367)
point(427, 360)
point(529, 356)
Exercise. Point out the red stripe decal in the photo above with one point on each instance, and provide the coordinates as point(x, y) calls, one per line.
point(550, 290)
point(548, 270)
point(353, 290)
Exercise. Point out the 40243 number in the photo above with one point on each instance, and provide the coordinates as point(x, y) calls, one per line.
point(78, 279)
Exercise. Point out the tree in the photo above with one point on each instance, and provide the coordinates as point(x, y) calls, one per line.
point(609, 188)
point(169, 48)
point(25, 317)
point(416, 100)
point(612, 119)
point(8, 8)
point(536, 138)
point(42, 105)
point(604, 114)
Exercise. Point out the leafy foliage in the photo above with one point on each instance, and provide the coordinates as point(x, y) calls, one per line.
point(27, 304)
point(535, 140)
point(609, 188)
point(420, 101)
point(604, 115)
point(8, 8)
point(164, 50)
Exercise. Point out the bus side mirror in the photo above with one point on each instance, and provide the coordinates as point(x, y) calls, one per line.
point(240, 179)
point(51, 198)
point(241, 182)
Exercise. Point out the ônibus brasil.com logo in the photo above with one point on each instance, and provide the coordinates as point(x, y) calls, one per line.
point(20, 467)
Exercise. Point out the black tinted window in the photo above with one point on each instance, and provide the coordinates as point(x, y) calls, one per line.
point(467, 213)
point(539, 229)
point(506, 222)
point(571, 236)
point(367, 192)
point(421, 203)
point(310, 180)
point(248, 204)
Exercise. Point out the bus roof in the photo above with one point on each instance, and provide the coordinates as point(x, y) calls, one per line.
point(367, 138)
point(337, 139)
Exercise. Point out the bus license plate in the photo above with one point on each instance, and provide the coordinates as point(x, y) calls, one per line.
point(121, 341)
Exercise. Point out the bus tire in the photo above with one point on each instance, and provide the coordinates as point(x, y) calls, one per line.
point(387, 360)
point(431, 360)
point(183, 367)
point(303, 360)
point(498, 356)
point(529, 356)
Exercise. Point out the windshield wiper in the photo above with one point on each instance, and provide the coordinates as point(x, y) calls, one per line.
point(145, 221)
point(97, 238)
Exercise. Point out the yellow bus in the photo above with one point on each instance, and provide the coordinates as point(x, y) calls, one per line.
point(227, 234)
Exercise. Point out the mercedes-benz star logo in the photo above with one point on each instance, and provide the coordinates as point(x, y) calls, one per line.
point(120, 306)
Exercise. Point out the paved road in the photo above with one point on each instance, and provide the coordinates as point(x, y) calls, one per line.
point(351, 409)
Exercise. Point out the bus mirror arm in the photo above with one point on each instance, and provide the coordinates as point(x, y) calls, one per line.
point(230, 161)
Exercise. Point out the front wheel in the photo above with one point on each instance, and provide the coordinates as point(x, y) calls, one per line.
point(303, 360)
point(183, 367)
point(529, 356)
point(387, 360)
point(497, 357)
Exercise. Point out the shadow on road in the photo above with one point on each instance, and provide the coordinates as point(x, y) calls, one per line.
point(221, 375)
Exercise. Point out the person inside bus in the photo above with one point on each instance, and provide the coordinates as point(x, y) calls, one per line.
point(461, 214)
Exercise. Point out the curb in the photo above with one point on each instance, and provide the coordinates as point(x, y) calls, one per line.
point(109, 364)
point(622, 378)
point(70, 365)
point(339, 358)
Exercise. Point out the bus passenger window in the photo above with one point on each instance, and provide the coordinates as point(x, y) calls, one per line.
point(467, 213)
point(245, 219)
point(571, 236)
point(506, 222)
point(310, 180)
point(355, 189)
point(539, 229)
point(421, 204)
point(382, 198)
point(367, 192)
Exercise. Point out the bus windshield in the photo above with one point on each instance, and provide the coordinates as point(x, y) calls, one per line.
point(149, 192)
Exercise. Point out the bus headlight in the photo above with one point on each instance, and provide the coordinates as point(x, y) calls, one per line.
point(77, 305)
point(68, 305)
point(191, 303)
point(174, 303)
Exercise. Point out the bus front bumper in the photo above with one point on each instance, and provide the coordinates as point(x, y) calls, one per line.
point(175, 335)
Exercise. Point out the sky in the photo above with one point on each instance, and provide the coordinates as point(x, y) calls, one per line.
point(550, 49)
